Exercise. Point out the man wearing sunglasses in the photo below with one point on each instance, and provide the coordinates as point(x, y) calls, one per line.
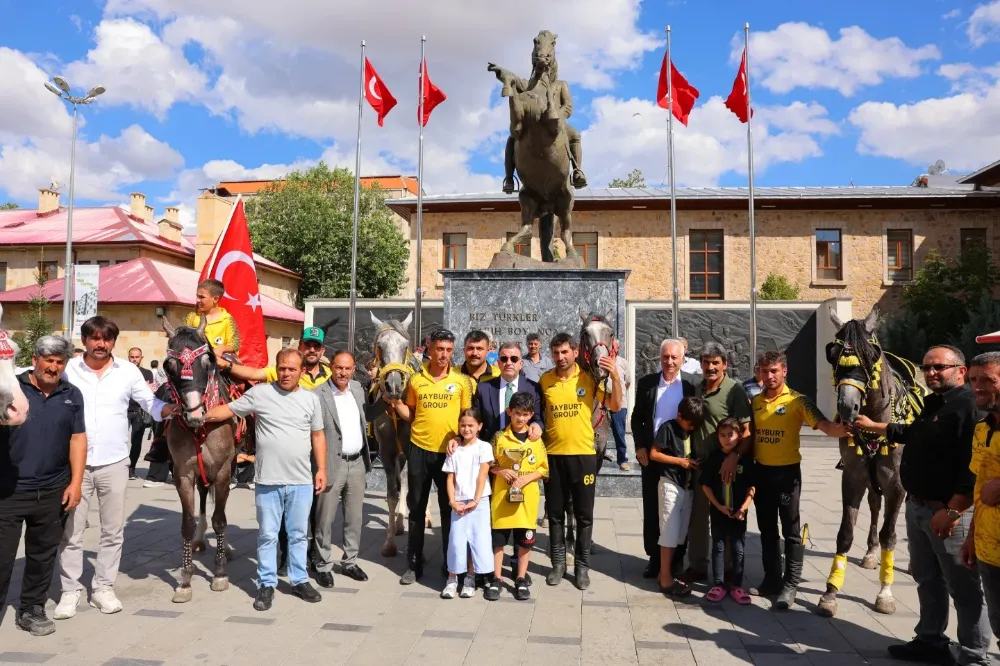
point(939, 484)
point(493, 395)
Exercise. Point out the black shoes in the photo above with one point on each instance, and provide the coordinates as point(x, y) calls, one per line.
point(922, 652)
point(324, 579)
point(557, 554)
point(581, 565)
point(34, 620)
point(492, 592)
point(652, 569)
point(354, 572)
point(265, 597)
point(794, 554)
point(521, 591)
point(307, 592)
point(772, 583)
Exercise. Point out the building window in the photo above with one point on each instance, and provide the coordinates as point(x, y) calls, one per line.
point(103, 264)
point(706, 265)
point(285, 342)
point(969, 237)
point(3, 276)
point(48, 269)
point(585, 243)
point(899, 253)
point(523, 249)
point(454, 250)
point(829, 255)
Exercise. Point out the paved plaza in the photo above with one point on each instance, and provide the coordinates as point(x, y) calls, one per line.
point(621, 619)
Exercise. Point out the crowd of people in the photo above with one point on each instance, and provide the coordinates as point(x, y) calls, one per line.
point(489, 436)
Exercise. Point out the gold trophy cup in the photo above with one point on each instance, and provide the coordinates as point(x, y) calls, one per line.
point(515, 456)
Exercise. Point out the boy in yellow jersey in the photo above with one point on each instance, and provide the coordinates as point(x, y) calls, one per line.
point(477, 347)
point(520, 464)
point(983, 540)
point(434, 399)
point(778, 415)
point(570, 396)
point(221, 329)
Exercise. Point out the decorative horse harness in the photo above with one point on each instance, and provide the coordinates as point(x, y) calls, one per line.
point(407, 368)
point(588, 354)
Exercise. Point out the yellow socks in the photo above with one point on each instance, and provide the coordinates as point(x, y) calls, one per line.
point(838, 571)
point(886, 573)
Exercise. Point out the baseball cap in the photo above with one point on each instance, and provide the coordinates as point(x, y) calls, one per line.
point(312, 333)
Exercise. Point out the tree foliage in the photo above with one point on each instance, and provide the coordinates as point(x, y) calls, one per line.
point(305, 223)
point(634, 179)
point(10, 205)
point(34, 324)
point(777, 288)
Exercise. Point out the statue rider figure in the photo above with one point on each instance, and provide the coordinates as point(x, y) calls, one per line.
point(545, 71)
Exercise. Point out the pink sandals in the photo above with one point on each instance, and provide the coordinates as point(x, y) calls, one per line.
point(740, 596)
point(716, 594)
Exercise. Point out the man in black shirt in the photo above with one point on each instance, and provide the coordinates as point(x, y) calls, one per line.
point(41, 473)
point(138, 420)
point(935, 473)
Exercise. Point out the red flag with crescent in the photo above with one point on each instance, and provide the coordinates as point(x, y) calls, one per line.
point(231, 263)
point(377, 93)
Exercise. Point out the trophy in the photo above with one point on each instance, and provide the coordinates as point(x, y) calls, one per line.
point(514, 494)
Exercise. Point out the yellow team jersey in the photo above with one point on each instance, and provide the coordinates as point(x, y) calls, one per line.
point(306, 381)
point(437, 405)
point(569, 412)
point(220, 331)
point(488, 374)
point(986, 466)
point(776, 426)
point(524, 458)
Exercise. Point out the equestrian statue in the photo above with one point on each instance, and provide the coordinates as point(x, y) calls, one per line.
point(884, 388)
point(543, 147)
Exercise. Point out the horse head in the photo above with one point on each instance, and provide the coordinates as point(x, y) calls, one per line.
point(190, 369)
point(13, 404)
point(597, 339)
point(396, 363)
point(856, 357)
point(543, 56)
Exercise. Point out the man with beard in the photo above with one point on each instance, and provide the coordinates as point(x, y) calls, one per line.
point(983, 542)
point(477, 346)
point(41, 478)
point(535, 362)
point(935, 471)
point(656, 398)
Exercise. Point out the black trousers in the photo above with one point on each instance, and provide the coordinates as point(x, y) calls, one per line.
point(777, 498)
point(726, 529)
point(651, 510)
point(41, 513)
point(572, 477)
point(159, 471)
point(138, 430)
point(423, 468)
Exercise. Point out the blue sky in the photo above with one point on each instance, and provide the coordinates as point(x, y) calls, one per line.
point(869, 92)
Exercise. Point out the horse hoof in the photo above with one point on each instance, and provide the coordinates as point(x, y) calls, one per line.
point(389, 549)
point(827, 606)
point(870, 561)
point(220, 584)
point(885, 605)
point(198, 547)
point(182, 595)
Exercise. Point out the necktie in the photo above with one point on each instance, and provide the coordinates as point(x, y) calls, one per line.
point(506, 402)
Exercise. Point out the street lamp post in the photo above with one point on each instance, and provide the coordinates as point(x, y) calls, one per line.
point(63, 92)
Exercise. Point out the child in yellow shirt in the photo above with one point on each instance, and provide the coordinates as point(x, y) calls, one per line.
point(221, 329)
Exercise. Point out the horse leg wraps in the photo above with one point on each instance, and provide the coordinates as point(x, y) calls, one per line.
point(887, 572)
point(837, 571)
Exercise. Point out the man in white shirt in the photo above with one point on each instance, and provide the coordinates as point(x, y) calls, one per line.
point(691, 366)
point(342, 400)
point(107, 385)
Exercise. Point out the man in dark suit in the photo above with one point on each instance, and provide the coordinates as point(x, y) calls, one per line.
point(493, 395)
point(656, 398)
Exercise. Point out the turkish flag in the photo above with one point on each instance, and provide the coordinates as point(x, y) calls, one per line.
point(231, 263)
point(739, 99)
point(432, 96)
point(377, 94)
point(684, 93)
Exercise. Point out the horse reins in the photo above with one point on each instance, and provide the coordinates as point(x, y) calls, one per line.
point(210, 398)
point(587, 356)
point(405, 368)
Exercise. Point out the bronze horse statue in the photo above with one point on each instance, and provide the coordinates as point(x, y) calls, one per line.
point(884, 388)
point(202, 453)
point(541, 147)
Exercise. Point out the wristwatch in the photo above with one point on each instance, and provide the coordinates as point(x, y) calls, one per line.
point(954, 515)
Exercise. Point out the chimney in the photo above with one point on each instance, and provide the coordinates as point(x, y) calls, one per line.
point(48, 201)
point(171, 230)
point(149, 214)
point(173, 214)
point(138, 206)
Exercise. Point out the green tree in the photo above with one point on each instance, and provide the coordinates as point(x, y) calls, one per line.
point(777, 288)
point(10, 205)
point(634, 179)
point(305, 223)
point(34, 324)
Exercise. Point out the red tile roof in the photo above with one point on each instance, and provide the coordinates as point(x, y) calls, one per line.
point(147, 282)
point(234, 187)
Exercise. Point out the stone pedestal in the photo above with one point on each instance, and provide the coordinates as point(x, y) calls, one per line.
point(508, 304)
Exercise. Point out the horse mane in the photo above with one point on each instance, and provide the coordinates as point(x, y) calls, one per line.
point(859, 339)
point(554, 65)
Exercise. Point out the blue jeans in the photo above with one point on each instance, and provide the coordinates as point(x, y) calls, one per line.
point(274, 502)
point(618, 431)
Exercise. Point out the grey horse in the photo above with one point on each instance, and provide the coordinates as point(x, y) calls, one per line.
point(884, 388)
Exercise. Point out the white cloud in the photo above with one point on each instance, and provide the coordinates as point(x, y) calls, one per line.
point(984, 24)
point(797, 55)
point(955, 71)
point(26, 107)
point(955, 13)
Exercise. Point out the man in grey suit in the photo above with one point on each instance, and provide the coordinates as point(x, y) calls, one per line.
point(342, 400)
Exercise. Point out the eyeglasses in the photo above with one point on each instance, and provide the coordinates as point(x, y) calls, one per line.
point(510, 359)
point(938, 367)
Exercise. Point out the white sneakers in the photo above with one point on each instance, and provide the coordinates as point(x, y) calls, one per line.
point(105, 600)
point(468, 587)
point(66, 608)
point(450, 589)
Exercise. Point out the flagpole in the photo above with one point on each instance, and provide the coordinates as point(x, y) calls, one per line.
point(753, 233)
point(675, 331)
point(418, 315)
point(351, 313)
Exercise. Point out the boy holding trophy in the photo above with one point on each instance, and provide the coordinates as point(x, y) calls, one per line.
point(518, 467)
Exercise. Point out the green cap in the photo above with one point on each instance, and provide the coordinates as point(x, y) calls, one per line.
point(312, 333)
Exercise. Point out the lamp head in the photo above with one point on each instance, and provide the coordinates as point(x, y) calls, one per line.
point(62, 83)
point(95, 91)
point(52, 89)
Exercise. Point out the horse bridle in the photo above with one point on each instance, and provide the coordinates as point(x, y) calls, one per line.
point(872, 377)
point(588, 354)
point(405, 368)
point(210, 398)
